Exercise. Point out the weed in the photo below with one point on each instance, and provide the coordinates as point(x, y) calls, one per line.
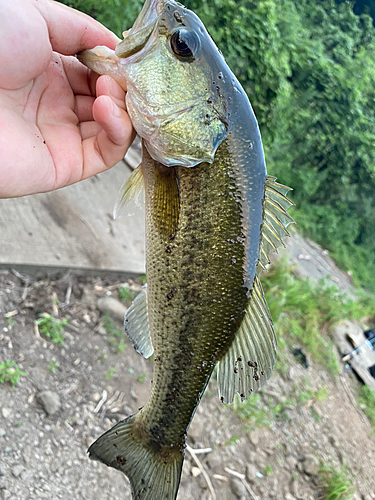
point(268, 470)
point(251, 411)
point(311, 395)
point(336, 484)
point(141, 378)
point(111, 372)
point(142, 279)
point(9, 372)
point(116, 336)
point(126, 294)
point(10, 322)
point(367, 402)
point(52, 367)
point(315, 415)
point(305, 313)
point(232, 440)
point(52, 328)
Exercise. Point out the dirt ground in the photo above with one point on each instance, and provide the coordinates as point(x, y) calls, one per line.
point(96, 379)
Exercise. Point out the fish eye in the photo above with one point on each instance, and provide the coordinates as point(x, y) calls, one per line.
point(184, 43)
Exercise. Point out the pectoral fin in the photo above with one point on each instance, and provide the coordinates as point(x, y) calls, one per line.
point(251, 357)
point(132, 189)
point(136, 325)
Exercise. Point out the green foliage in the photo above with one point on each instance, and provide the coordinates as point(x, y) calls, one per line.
point(232, 440)
point(325, 145)
point(126, 294)
point(367, 402)
point(268, 470)
point(52, 367)
point(117, 15)
point(115, 336)
point(52, 328)
point(142, 377)
point(9, 372)
point(336, 484)
point(111, 373)
point(305, 313)
point(252, 411)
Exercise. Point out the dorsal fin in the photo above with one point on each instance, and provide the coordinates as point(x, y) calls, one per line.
point(275, 220)
point(251, 357)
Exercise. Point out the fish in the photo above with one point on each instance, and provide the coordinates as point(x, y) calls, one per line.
point(213, 216)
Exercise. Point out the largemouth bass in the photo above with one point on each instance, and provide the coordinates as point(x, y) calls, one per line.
point(212, 218)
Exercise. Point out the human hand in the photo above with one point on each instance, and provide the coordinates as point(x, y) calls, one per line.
point(59, 122)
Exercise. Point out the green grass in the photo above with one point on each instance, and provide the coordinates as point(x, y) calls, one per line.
point(141, 378)
point(52, 367)
point(126, 294)
point(252, 411)
point(10, 373)
point(110, 373)
point(232, 440)
point(115, 336)
point(367, 402)
point(304, 313)
point(336, 485)
point(52, 328)
point(259, 409)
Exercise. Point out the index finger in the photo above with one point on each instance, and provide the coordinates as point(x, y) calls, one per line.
point(71, 31)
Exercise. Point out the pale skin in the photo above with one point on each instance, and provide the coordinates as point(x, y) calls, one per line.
point(59, 122)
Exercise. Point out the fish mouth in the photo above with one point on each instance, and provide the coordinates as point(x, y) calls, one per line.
point(144, 26)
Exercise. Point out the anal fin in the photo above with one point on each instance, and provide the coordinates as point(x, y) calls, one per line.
point(251, 357)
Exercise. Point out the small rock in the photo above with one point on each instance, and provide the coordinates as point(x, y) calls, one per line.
point(334, 441)
point(254, 437)
point(89, 441)
point(2, 432)
point(251, 474)
point(294, 486)
point(311, 465)
point(290, 462)
point(50, 401)
point(238, 488)
point(96, 397)
point(2, 471)
point(113, 307)
point(17, 470)
point(133, 394)
point(289, 496)
point(102, 330)
point(214, 461)
point(5, 494)
point(5, 412)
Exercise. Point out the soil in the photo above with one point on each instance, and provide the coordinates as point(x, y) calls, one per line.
point(96, 379)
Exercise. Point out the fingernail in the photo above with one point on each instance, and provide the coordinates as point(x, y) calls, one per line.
point(116, 111)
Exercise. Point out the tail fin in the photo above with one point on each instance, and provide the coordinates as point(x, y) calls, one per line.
point(152, 477)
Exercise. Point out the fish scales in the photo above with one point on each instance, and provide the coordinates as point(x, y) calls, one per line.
point(212, 218)
point(195, 282)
